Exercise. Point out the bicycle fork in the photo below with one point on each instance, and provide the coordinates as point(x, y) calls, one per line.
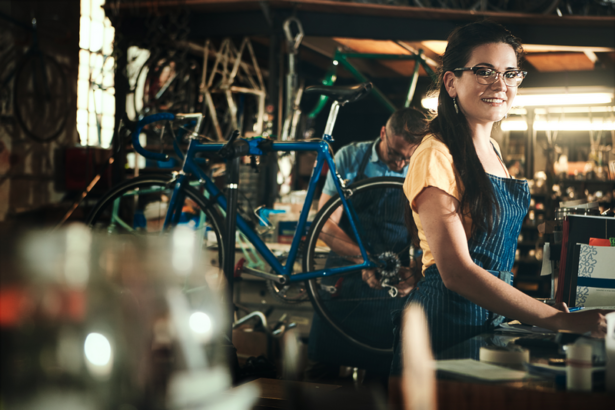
point(176, 202)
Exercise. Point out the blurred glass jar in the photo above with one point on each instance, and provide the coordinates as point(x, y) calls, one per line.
point(106, 321)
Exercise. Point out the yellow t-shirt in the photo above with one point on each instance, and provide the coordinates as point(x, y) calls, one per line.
point(432, 165)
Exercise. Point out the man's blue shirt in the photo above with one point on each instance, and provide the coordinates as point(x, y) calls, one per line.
point(348, 160)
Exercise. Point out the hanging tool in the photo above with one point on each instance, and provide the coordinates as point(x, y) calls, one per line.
point(293, 95)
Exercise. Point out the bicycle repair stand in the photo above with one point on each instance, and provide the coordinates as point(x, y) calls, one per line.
point(232, 183)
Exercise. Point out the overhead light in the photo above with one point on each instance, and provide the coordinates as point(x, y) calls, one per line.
point(558, 96)
point(533, 100)
point(568, 110)
point(514, 125)
point(557, 125)
point(574, 125)
point(553, 96)
point(537, 100)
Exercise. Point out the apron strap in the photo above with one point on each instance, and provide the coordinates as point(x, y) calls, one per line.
point(501, 160)
point(364, 161)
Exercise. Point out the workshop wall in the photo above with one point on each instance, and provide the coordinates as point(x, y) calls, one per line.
point(27, 167)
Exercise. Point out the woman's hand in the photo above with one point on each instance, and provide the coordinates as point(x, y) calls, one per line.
point(593, 321)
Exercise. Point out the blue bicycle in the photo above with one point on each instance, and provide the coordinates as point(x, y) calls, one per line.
point(359, 228)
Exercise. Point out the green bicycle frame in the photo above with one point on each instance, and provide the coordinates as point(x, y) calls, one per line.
point(341, 58)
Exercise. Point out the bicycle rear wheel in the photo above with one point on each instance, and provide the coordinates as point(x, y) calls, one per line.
point(138, 206)
point(357, 312)
point(41, 97)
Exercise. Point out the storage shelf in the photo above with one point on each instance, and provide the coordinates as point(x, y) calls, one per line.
point(584, 181)
point(528, 261)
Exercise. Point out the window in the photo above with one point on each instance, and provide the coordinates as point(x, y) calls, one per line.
point(95, 87)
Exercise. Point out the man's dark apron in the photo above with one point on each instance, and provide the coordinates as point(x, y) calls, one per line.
point(382, 229)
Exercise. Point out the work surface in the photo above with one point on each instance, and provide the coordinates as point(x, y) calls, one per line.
point(275, 394)
point(527, 393)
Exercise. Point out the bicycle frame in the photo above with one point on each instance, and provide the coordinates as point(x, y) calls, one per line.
point(190, 167)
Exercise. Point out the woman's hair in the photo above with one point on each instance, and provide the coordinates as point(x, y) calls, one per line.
point(452, 128)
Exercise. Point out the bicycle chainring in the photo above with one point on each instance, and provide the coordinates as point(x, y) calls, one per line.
point(289, 294)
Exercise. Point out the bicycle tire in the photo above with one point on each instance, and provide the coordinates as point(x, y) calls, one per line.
point(358, 313)
point(41, 97)
point(181, 95)
point(8, 66)
point(149, 207)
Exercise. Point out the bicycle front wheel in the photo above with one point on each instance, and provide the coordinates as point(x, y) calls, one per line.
point(139, 206)
point(359, 313)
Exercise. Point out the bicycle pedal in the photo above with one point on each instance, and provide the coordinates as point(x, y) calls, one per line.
point(239, 268)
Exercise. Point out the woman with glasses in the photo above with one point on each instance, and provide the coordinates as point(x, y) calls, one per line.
point(467, 208)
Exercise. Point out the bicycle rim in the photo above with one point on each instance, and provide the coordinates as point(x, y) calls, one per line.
point(360, 314)
point(166, 85)
point(138, 206)
point(41, 98)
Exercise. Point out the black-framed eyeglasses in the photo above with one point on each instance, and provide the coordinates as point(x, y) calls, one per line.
point(394, 155)
point(487, 76)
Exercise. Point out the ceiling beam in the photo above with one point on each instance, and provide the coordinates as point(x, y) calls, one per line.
point(358, 20)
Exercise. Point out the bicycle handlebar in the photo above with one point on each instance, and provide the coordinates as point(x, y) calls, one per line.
point(142, 123)
point(235, 147)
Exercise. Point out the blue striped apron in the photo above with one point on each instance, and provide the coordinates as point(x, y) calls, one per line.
point(451, 317)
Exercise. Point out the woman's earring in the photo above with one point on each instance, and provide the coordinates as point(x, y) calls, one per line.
point(455, 104)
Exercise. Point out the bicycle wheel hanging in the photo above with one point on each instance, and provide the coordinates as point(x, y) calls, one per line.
point(166, 84)
point(139, 206)
point(41, 97)
point(359, 313)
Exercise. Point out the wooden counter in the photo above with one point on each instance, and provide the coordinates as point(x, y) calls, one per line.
point(451, 395)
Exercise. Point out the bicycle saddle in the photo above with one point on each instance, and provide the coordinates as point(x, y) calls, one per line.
point(342, 93)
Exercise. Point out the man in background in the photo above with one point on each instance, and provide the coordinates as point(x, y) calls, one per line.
point(387, 155)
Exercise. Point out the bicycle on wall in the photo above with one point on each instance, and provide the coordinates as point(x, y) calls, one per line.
point(336, 247)
point(34, 88)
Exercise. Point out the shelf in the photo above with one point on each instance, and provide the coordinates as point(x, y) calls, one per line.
point(585, 181)
point(527, 243)
point(528, 261)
